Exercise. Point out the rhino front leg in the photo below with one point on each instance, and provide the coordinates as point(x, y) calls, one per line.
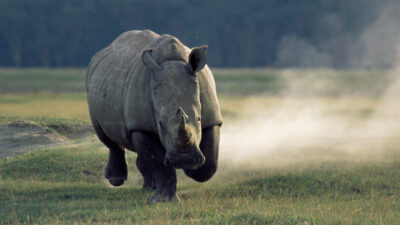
point(116, 170)
point(209, 146)
point(150, 163)
point(144, 164)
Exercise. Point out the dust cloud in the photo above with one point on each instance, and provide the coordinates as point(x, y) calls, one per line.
point(302, 122)
point(348, 124)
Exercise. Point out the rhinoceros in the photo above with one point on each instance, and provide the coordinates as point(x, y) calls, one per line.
point(152, 95)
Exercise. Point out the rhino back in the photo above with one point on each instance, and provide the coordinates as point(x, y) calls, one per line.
point(116, 80)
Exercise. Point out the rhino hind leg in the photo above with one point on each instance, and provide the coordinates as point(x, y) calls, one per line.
point(117, 169)
point(209, 146)
point(150, 164)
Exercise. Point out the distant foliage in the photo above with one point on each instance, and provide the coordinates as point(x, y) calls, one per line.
point(258, 33)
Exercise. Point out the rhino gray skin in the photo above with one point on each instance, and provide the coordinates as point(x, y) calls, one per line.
point(153, 95)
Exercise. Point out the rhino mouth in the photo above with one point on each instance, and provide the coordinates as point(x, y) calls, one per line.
point(191, 160)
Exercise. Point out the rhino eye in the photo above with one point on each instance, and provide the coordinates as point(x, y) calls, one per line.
point(198, 119)
point(161, 125)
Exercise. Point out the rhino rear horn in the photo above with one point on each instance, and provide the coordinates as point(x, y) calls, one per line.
point(198, 58)
point(148, 60)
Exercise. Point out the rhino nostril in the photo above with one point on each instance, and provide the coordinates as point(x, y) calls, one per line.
point(166, 162)
point(202, 160)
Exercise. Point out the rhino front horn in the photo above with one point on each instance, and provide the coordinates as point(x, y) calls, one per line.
point(183, 134)
point(181, 118)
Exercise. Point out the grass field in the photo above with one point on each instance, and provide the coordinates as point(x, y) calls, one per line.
point(274, 168)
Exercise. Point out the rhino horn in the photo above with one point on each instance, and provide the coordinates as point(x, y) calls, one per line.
point(182, 118)
point(183, 134)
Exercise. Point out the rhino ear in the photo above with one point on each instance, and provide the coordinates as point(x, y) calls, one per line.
point(148, 60)
point(198, 58)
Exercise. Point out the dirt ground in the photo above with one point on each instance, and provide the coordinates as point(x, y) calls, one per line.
point(20, 136)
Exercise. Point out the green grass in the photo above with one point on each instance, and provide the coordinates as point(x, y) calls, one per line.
point(307, 185)
point(242, 82)
point(40, 80)
point(66, 185)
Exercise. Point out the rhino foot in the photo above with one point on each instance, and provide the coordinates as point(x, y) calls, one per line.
point(116, 176)
point(116, 181)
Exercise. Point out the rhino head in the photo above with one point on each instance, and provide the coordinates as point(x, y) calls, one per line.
point(175, 95)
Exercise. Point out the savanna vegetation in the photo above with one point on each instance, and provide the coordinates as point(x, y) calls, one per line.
point(312, 184)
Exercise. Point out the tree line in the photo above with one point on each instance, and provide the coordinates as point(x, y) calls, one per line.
point(252, 33)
